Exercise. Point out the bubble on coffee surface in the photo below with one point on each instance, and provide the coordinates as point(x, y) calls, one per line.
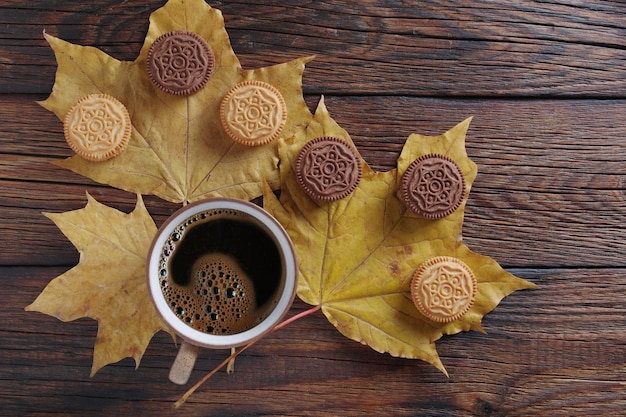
point(221, 299)
point(218, 297)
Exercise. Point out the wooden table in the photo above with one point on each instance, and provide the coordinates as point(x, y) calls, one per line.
point(545, 82)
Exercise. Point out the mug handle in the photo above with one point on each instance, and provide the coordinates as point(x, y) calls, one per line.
point(184, 362)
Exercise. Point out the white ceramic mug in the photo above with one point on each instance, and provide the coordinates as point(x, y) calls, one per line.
point(187, 245)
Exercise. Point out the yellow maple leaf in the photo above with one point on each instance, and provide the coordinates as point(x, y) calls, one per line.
point(357, 256)
point(108, 284)
point(178, 149)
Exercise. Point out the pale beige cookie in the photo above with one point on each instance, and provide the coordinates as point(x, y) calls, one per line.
point(443, 288)
point(97, 127)
point(253, 113)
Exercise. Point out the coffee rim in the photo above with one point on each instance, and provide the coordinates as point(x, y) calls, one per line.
point(288, 257)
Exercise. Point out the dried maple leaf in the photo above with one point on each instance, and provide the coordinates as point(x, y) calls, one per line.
point(357, 256)
point(108, 284)
point(178, 149)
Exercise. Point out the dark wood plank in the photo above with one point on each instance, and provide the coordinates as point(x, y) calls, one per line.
point(433, 48)
point(550, 190)
point(550, 172)
point(536, 359)
point(544, 81)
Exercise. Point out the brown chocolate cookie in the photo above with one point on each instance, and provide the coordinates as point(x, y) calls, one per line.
point(433, 186)
point(328, 168)
point(180, 62)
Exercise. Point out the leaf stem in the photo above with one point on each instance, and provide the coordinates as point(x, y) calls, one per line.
point(234, 354)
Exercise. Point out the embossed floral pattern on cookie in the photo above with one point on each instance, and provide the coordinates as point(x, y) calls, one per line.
point(433, 186)
point(180, 62)
point(443, 288)
point(253, 113)
point(97, 127)
point(328, 168)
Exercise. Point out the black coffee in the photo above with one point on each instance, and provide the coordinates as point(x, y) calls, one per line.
point(221, 272)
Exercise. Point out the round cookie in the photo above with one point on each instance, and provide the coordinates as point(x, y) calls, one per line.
point(433, 186)
point(328, 168)
point(443, 288)
point(180, 62)
point(97, 127)
point(253, 113)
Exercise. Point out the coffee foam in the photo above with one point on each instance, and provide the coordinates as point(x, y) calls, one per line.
point(219, 299)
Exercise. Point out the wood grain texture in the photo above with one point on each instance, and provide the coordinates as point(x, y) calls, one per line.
point(537, 358)
point(544, 82)
point(526, 48)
